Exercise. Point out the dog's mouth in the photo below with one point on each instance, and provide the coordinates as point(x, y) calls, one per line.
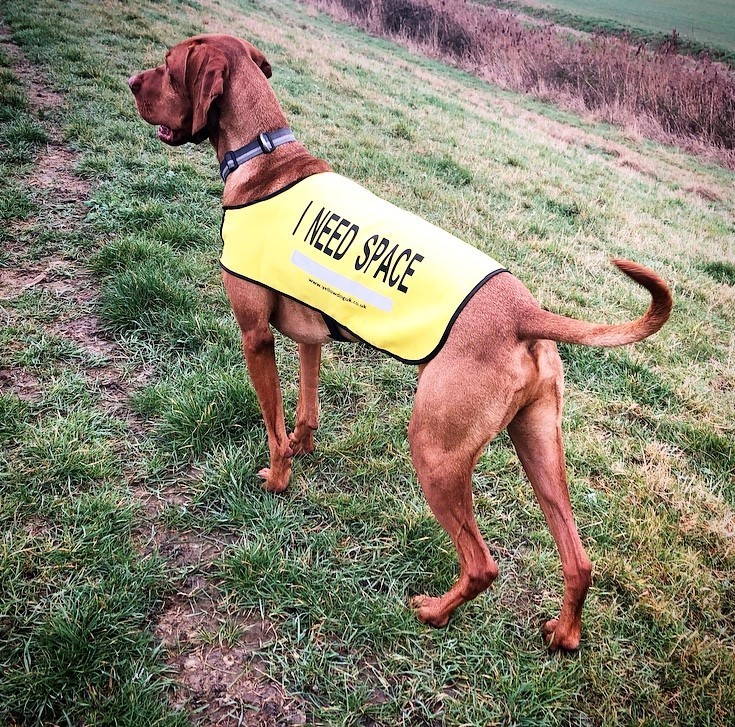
point(165, 134)
point(172, 137)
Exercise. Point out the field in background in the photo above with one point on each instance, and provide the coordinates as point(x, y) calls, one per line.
point(655, 91)
point(709, 22)
point(146, 578)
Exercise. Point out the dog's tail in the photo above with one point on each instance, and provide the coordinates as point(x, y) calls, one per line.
point(546, 325)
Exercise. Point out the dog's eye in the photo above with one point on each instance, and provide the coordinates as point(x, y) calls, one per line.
point(168, 75)
point(172, 80)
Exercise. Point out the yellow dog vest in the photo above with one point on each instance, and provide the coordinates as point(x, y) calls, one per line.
point(390, 278)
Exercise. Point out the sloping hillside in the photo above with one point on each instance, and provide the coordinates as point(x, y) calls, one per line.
point(143, 569)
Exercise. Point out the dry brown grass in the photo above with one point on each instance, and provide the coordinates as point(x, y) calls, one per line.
point(659, 93)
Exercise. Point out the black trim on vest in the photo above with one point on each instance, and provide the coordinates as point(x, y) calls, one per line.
point(267, 196)
point(333, 325)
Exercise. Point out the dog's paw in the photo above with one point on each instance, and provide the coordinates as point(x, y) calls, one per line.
point(559, 639)
point(429, 610)
point(273, 483)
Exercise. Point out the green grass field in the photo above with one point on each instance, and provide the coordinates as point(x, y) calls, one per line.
point(146, 578)
point(710, 22)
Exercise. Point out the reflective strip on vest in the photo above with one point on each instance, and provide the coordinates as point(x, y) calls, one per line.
point(388, 277)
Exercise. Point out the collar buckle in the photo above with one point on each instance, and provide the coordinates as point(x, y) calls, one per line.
point(230, 162)
point(266, 143)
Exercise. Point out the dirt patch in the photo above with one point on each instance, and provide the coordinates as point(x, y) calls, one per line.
point(220, 689)
point(40, 95)
point(21, 383)
point(39, 527)
point(62, 192)
point(58, 278)
point(51, 274)
point(220, 677)
point(184, 550)
point(14, 282)
point(212, 647)
point(87, 331)
point(52, 173)
point(220, 692)
point(155, 503)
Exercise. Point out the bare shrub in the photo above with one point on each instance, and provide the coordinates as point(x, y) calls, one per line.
point(411, 18)
point(453, 38)
point(359, 8)
point(665, 94)
point(425, 22)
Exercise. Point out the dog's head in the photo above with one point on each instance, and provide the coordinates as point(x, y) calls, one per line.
point(180, 96)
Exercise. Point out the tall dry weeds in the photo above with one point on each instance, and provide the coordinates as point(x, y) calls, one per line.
point(664, 94)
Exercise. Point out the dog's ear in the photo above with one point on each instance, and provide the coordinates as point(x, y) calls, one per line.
point(206, 68)
point(260, 60)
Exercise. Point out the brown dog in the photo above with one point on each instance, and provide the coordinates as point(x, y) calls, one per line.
point(498, 368)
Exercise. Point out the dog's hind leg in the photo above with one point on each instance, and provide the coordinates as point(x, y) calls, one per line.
point(307, 409)
point(444, 460)
point(536, 435)
point(451, 503)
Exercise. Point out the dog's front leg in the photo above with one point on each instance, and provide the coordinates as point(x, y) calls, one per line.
point(307, 409)
point(259, 348)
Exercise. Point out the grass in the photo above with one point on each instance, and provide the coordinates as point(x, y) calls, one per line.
point(711, 23)
point(116, 458)
point(643, 30)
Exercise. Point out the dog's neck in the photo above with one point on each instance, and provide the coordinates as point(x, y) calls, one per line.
point(234, 128)
point(266, 173)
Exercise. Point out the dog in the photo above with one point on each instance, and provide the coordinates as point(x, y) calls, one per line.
point(497, 367)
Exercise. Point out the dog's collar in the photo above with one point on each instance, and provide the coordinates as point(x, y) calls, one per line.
point(264, 143)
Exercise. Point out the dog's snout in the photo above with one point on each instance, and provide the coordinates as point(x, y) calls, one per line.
point(134, 83)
